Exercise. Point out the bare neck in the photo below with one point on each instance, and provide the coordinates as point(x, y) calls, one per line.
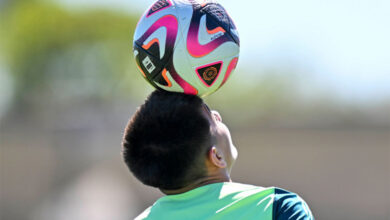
point(198, 183)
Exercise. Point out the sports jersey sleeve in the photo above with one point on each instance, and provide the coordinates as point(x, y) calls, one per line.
point(289, 206)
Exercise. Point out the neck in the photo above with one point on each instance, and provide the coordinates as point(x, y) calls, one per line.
point(198, 183)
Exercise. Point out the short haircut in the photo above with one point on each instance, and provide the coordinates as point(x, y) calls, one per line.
point(166, 141)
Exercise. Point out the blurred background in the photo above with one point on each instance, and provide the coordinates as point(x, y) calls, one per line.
point(308, 106)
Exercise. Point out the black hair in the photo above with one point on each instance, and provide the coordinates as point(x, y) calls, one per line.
point(166, 140)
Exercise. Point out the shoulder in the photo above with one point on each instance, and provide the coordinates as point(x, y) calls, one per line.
point(288, 205)
point(144, 214)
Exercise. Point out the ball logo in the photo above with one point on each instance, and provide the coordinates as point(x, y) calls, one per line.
point(210, 73)
point(148, 64)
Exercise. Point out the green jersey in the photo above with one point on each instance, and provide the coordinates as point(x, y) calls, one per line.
point(229, 201)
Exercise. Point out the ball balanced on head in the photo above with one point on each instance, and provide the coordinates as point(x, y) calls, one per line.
point(186, 46)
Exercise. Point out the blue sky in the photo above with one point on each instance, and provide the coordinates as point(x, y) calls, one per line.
point(341, 47)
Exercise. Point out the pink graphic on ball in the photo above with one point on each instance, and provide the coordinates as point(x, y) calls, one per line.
point(231, 67)
point(193, 45)
point(188, 89)
point(170, 23)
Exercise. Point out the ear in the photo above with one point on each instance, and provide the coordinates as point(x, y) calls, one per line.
point(216, 158)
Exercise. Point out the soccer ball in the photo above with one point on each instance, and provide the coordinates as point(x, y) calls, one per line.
point(189, 46)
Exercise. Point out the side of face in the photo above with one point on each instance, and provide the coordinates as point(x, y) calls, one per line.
point(225, 152)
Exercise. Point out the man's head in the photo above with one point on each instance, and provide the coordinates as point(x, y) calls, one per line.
point(174, 139)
